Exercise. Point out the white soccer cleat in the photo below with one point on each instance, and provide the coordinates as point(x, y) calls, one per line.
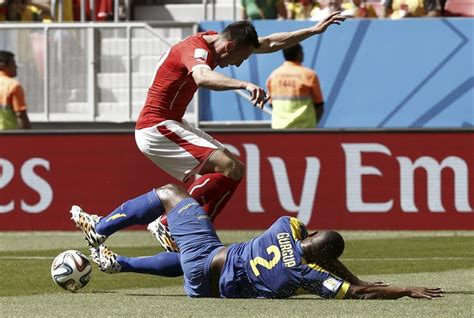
point(108, 260)
point(95, 254)
point(87, 223)
point(162, 233)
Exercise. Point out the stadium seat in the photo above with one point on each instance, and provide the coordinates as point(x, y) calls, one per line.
point(459, 8)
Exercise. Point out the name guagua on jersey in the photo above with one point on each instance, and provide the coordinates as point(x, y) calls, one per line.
point(286, 249)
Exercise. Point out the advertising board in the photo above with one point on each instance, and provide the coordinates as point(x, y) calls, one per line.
point(330, 180)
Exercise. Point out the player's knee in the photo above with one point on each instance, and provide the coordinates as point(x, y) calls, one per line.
point(169, 191)
point(238, 170)
point(233, 168)
point(170, 195)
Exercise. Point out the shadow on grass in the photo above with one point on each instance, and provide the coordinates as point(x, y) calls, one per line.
point(116, 292)
point(184, 296)
point(99, 292)
point(157, 295)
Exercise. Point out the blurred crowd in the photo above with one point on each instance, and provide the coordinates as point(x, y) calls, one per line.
point(317, 10)
point(103, 10)
point(47, 10)
point(58, 10)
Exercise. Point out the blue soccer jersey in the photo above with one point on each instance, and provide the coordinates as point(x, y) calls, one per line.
point(272, 266)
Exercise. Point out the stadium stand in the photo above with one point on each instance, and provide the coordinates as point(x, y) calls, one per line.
point(94, 86)
point(462, 8)
point(186, 10)
point(112, 76)
point(378, 7)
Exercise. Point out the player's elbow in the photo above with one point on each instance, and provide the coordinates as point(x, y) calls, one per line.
point(200, 77)
point(266, 45)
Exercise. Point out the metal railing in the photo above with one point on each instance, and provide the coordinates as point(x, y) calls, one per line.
point(88, 71)
point(212, 16)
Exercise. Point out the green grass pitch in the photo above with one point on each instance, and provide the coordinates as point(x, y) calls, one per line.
point(432, 259)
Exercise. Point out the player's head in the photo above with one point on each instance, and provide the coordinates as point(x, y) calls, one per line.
point(322, 245)
point(7, 63)
point(238, 41)
point(294, 53)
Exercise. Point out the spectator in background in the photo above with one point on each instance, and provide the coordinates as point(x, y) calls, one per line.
point(398, 9)
point(20, 10)
point(3, 10)
point(51, 7)
point(295, 92)
point(103, 10)
point(328, 7)
point(300, 9)
point(358, 9)
point(45, 7)
point(263, 9)
point(12, 98)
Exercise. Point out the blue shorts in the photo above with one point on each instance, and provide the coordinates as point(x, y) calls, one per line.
point(198, 243)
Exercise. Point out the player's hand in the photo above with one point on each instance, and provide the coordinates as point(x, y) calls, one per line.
point(423, 292)
point(258, 96)
point(333, 18)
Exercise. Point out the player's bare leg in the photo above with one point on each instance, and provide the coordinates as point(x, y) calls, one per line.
point(221, 175)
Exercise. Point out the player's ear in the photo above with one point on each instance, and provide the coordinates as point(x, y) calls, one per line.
point(229, 46)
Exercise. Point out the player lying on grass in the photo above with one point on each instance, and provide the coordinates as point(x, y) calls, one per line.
point(275, 264)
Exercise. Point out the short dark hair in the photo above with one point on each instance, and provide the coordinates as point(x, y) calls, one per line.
point(335, 244)
point(323, 245)
point(243, 33)
point(6, 57)
point(291, 53)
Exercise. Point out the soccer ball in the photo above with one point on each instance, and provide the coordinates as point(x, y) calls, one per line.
point(71, 270)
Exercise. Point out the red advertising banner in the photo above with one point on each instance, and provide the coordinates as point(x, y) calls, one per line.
point(330, 180)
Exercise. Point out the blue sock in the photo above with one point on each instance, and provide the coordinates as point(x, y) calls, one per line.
point(141, 210)
point(163, 264)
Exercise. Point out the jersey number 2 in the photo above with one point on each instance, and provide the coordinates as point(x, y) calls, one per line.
point(272, 249)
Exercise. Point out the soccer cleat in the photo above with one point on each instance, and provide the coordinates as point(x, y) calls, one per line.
point(87, 223)
point(95, 254)
point(108, 261)
point(162, 233)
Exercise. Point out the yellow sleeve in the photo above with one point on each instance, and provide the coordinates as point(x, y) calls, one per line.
point(298, 229)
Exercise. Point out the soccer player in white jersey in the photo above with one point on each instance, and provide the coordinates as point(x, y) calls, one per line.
point(181, 150)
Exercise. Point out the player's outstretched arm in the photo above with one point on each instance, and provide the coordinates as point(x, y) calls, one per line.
point(279, 41)
point(218, 82)
point(388, 292)
point(336, 267)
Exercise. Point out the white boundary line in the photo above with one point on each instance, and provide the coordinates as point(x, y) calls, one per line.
point(342, 259)
point(409, 259)
point(27, 257)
